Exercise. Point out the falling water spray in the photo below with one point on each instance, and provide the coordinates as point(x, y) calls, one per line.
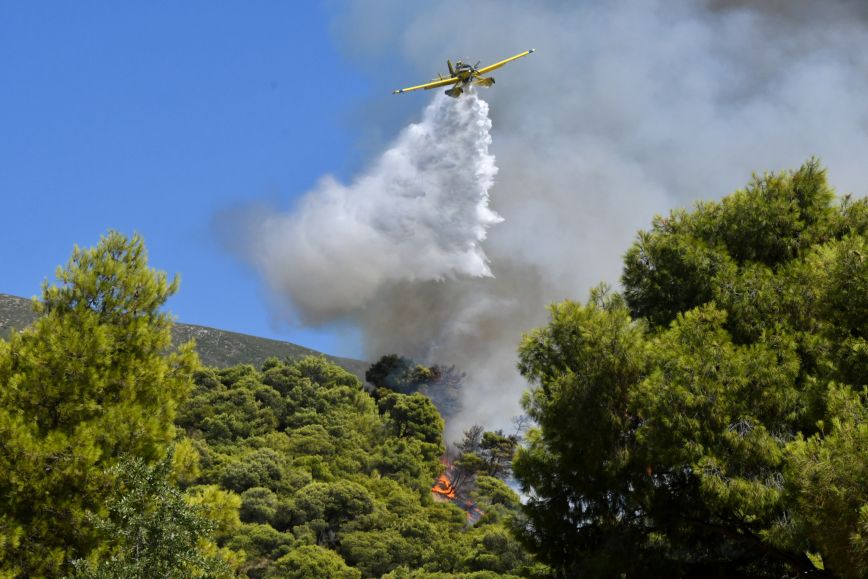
point(418, 213)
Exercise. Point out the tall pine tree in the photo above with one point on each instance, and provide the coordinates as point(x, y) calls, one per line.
point(713, 421)
point(93, 380)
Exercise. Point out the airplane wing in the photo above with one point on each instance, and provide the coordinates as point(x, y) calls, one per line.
point(491, 67)
point(429, 85)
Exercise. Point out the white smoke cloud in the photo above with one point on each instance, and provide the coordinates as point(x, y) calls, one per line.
point(628, 108)
point(420, 213)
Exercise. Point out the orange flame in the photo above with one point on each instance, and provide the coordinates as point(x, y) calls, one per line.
point(443, 487)
point(445, 490)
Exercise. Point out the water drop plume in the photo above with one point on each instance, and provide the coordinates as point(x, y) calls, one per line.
point(419, 213)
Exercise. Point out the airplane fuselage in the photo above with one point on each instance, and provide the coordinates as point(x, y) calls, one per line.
point(462, 75)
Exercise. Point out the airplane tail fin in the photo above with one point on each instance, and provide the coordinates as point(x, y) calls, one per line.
point(483, 81)
point(451, 70)
point(455, 92)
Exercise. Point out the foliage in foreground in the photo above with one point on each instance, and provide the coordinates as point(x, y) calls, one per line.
point(710, 421)
point(151, 529)
point(91, 381)
point(713, 420)
point(290, 470)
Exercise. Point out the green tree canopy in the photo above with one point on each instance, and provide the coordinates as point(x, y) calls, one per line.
point(312, 562)
point(153, 531)
point(413, 416)
point(712, 420)
point(288, 470)
point(93, 379)
point(342, 473)
point(399, 374)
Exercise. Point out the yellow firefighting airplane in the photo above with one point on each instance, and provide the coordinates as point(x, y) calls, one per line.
point(463, 75)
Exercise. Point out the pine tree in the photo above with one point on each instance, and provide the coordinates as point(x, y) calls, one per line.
point(713, 420)
point(94, 379)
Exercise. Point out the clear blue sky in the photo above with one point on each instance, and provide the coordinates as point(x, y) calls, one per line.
point(150, 117)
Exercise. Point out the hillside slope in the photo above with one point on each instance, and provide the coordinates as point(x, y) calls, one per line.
point(217, 348)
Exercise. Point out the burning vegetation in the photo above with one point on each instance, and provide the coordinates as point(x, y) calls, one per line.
point(446, 489)
point(480, 454)
point(480, 457)
point(443, 487)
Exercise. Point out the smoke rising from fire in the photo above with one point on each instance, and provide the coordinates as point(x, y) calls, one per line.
point(627, 109)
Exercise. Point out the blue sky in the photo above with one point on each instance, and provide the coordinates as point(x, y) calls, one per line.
point(156, 117)
point(152, 118)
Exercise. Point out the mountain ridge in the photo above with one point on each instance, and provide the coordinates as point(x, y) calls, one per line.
point(220, 348)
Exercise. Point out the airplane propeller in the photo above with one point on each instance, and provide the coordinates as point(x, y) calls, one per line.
point(462, 74)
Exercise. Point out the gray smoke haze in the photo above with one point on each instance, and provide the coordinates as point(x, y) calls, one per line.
point(627, 109)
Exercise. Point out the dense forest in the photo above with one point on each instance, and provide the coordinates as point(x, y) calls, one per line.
point(124, 459)
point(710, 419)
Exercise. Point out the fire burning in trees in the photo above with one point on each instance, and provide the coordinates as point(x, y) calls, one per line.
point(446, 488)
point(443, 487)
